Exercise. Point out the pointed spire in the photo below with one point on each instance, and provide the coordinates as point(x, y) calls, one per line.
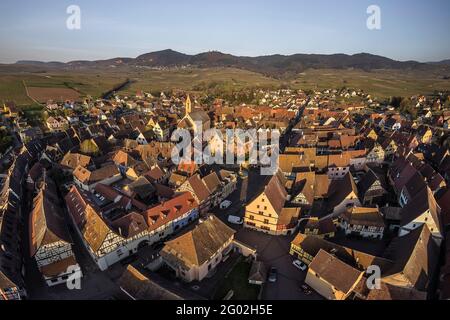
point(188, 105)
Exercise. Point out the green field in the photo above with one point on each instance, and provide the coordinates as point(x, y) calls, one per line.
point(86, 83)
point(197, 78)
point(12, 88)
point(380, 83)
point(237, 280)
point(95, 82)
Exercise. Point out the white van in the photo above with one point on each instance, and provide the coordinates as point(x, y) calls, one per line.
point(235, 220)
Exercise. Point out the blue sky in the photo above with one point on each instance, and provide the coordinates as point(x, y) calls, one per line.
point(411, 29)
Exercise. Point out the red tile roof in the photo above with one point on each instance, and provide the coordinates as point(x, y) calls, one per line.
point(170, 210)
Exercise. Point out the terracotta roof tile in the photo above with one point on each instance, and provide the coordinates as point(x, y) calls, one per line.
point(170, 210)
point(337, 273)
point(199, 245)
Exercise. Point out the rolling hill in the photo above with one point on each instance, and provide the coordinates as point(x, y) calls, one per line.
point(168, 69)
point(272, 65)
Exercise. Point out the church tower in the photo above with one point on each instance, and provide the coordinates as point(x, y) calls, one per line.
point(188, 105)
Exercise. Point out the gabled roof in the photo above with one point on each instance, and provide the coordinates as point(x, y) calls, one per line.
point(130, 225)
point(357, 259)
point(169, 210)
point(5, 282)
point(46, 224)
point(416, 257)
point(432, 178)
point(212, 182)
point(72, 160)
point(164, 191)
point(140, 287)
point(155, 151)
point(363, 216)
point(196, 247)
point(117, 199)
point(123, 158)
point(94, 229)
point(103, 173)
point(87, 216)
point(337, 273)
point(36, 171)
point(258, 272)
point(176, 179)
point(415, 185)
point(304, 184)
point(199, 115)
point(293, 162)
point(392, 292)
point(149, 135)
point(321, 185)
point(339, 160)
point(323, 226)
point(372, 175)
point(138, 169)
point(423, 201)
point(340, 189)
point(142, 187)
point(401, 175)
point(348, 141)
point(199, 187)
point(155, 174)
point(288, 217)
point(82, 174)
point(130, 144)
point(67, 144)
point(76, 203)
point(56, 268)
point(189, 167)
point(276, 192)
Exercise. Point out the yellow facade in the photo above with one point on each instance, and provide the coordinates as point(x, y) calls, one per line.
point(260, 215)
point(427, 136)
point(300, 254)
point(11, 113)
point(373, 135)
point(150, 124)
point(89, 147)
point(322, 287)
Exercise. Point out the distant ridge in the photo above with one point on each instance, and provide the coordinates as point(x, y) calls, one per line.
point(443, 62)
point(273, 65)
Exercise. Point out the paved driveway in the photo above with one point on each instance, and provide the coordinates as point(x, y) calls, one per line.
point(274, 252)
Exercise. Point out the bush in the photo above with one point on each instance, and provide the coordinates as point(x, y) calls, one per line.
point(5, 140)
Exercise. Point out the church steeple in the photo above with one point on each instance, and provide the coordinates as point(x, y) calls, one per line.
point(188, 105)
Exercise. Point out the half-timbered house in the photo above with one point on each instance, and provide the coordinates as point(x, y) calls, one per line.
point(50, 241)
point(111, 240)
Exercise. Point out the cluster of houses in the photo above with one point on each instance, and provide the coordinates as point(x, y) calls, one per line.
point(13, 218)
point(121, 192)
point(361, 176)
point(106, 169)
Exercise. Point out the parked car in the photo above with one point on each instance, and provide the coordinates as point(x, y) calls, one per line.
point(306, 290)
point(235, 220)
point(273, 274)
point(300, 265)
point(225, 204)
